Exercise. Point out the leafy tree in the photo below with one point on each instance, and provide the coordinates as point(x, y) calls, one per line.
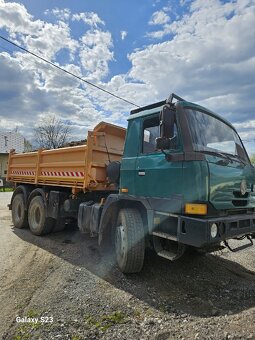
point(51, 133)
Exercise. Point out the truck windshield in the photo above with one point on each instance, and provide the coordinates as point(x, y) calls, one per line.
point(211, 134)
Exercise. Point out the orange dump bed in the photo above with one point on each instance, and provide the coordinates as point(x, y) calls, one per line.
point(78, 167)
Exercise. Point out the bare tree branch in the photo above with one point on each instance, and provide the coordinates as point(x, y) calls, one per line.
point(52, 133)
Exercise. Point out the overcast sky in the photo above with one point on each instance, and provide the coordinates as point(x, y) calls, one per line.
point(142, 50)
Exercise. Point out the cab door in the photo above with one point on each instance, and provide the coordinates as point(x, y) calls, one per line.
point(155, 176)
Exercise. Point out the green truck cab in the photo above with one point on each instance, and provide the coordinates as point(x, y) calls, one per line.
point(185, 181)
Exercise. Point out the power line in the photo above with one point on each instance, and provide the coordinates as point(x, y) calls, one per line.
point(70, 73)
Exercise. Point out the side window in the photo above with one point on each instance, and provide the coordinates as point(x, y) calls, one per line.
point(151, 131)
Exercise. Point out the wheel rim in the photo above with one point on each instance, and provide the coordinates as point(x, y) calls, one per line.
point(120, 242)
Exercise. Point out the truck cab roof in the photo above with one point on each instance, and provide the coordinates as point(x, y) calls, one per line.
point(156, 107)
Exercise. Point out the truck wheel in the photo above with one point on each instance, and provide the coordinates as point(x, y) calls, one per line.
point(38, 223)
point(19, 214)
point(129, 241)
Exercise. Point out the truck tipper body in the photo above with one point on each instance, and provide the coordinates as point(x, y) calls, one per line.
point(179, 177)
point(81, 168)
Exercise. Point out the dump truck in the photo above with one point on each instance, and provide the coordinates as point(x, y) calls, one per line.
point(178, 178)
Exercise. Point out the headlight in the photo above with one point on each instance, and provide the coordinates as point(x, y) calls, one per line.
point(214, 230)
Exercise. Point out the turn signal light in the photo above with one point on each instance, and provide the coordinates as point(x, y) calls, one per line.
point(124, 190)
point(196, 209)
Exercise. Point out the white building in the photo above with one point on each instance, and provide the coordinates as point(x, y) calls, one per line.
point(11, 140)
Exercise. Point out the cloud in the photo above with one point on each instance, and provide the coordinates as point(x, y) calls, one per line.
point(9, 124)
point(30, 87)
point(209, 54)
point(27, 96)
point(123, 35)
point(15, 18)
point(90, 18)
point(205, 56)
point(51, 39)
point(38, 36)
point(61, 14)
point(184, 2)
point(201, 14)
point(16, 88)
point(155, 3)
point(159, 18)
point(95, 53)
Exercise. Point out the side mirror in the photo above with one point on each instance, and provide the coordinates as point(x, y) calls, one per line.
point(167, 116)
point(162, 143)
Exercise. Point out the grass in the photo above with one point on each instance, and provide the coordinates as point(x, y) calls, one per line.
point(105, 321)
point(6, 189)
point(32, 313)
point(137, 313)
point(25, 331)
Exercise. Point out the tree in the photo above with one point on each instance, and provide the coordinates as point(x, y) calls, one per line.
point(51, 133)
point(27, 146)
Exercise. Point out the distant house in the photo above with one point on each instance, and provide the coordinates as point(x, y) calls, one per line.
point(11, 140)
point(8, 141)
point(3, 164)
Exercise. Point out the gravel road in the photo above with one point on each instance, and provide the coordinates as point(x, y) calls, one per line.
point(68, 289)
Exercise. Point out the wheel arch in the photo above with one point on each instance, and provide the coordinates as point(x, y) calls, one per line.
point(37, 192)
point(110, 214)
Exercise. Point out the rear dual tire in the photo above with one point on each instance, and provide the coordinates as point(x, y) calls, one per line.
point(19, 213)
point(39, 224)
point(35, 217)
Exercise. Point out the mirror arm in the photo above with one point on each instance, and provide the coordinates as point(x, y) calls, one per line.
point(168, 157)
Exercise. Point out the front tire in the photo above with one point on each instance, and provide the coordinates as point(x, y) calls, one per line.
point(19, 213)
point(129, 241)
point(39, 224)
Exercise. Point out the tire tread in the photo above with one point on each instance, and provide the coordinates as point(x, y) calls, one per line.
point(135, 234)
point(23, 223)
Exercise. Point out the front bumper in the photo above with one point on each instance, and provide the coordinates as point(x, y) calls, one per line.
point(197, 232)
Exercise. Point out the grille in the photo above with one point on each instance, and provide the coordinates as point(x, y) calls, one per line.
point(241, 200)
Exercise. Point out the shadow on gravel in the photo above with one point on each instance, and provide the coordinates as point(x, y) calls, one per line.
point(199, 285)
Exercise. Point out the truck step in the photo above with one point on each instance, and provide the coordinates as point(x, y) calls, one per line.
point(242, 247)
point(167, 255)
point(164, 235)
